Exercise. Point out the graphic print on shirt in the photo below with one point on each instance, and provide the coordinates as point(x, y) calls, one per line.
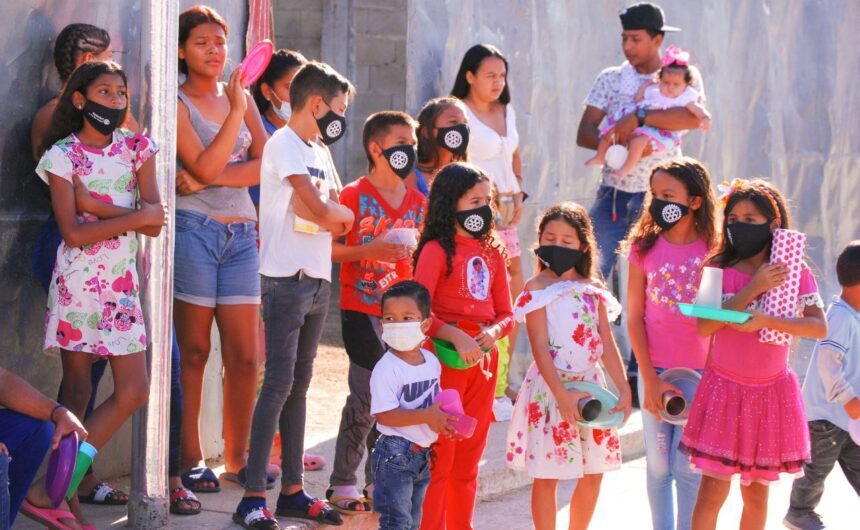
point(372, 221)
point(672, 284)
point(423, 391)
point(478, 278)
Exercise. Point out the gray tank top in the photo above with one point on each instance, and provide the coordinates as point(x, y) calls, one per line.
point(218, 201)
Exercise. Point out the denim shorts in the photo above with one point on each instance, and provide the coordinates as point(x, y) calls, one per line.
point(215, 263)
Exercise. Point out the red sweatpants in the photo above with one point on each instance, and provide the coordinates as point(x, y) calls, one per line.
point(450, 499)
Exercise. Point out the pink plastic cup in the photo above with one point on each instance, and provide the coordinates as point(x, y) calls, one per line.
point(450, 403)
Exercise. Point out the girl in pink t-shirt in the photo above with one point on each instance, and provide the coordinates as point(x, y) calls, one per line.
point(747, 419)
point(667, 248)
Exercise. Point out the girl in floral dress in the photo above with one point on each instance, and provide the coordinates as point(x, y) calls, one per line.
point(97, 174)
point(567, 313)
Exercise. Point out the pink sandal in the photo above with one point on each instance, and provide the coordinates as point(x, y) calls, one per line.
point(312, 462)
point(49, 517)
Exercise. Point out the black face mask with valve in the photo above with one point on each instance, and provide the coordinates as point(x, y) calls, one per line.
point(477, 221)
point(401, 158)
point(558, 259)
point(748, 239)
point(454, 138)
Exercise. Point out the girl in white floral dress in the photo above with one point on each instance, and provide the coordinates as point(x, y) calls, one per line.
point(97, 174)
point(567, 314)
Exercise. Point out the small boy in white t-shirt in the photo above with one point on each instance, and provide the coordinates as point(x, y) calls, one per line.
point(403, 386)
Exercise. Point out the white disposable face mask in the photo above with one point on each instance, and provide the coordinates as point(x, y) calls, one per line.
point(402, 336)
point(284, 110)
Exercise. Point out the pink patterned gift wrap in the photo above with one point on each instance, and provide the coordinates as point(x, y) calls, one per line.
point(788, 248)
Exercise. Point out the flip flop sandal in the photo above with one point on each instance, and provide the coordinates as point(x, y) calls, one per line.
point(346, 505)
point(193, 477)
point(182, 496)
point(104, 494)
point(51, 518)
point(239, 478)
point(312, 462)
point(259, 519)
point(317, 511)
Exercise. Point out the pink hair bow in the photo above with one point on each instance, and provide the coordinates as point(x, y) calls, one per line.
point(676, 55)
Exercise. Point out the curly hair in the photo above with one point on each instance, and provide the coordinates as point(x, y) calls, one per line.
point(427, 148)
point(75, 40)
point(67, 118)
point(577, 217)
point(697, 181)
point(763, 195)
point(440, 222)
point(283, 61)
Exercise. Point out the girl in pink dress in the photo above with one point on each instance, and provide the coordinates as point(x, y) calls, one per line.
point(747, 419)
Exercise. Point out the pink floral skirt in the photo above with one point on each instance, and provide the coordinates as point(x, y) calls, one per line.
point(754, 431)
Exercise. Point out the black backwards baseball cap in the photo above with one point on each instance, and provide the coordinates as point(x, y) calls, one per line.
point(644, 16)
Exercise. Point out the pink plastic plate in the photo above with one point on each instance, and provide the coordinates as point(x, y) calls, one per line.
point(61, 466)
point(255, 63)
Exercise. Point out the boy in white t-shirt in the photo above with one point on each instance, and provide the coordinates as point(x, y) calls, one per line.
point(403, 386)
point(299, 214)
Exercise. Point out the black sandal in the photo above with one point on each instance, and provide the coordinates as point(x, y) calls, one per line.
point(257, 519)
point(104, 494)
point(317, 510)
point(198, 475)
point(180, 496)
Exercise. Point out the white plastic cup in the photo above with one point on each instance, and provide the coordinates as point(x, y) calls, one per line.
point(711, 288)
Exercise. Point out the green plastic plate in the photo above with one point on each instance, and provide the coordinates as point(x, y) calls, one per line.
point(714, 313)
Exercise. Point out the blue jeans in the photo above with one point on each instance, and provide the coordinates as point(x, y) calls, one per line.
point(663, 464)
point(401, 473)
point(27, 440)
point(612, 215)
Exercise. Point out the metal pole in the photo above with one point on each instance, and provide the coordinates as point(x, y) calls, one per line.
point(148, 505)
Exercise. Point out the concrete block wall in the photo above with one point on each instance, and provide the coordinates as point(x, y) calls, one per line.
point(298, 25)
point(363, 39)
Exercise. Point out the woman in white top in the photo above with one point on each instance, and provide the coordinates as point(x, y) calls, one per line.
point(481, 84)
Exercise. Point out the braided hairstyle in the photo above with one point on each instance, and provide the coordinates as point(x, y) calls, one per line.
point(283, 61)
point(75, 40)
point(452, 182)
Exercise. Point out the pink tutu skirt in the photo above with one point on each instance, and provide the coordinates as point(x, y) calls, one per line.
point(755, 431)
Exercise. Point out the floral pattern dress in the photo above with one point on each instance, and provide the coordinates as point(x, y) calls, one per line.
point(94, 300)
point(540, 442)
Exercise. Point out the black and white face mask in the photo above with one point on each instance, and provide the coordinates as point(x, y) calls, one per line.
point(454, 138)
point(103, 119)
point(332, 126)
point(477, 221)
point(558, 259)
point(665, 213)
point(401, 158)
